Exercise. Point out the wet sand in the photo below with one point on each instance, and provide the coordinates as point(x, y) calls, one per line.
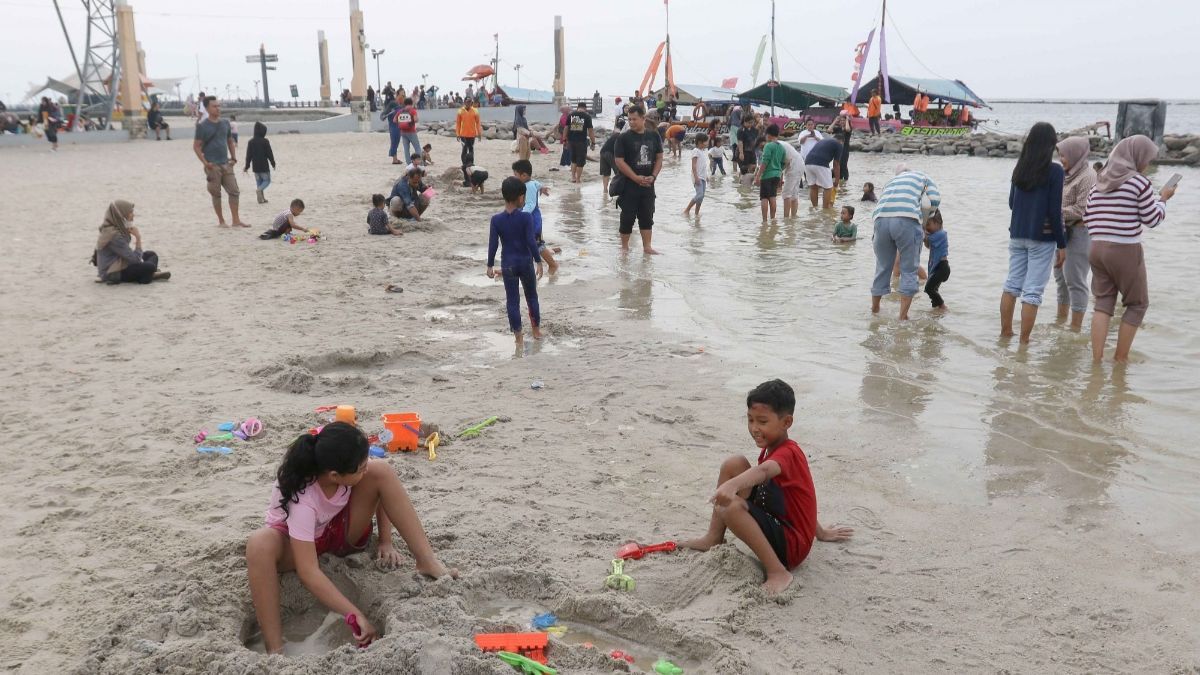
point(1016, 511)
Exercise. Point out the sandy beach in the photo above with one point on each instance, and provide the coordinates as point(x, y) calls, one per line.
point(123, 548)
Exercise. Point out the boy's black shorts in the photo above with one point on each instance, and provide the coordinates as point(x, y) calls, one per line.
point(579, 151)
point(771, 526)
point(768, 188)
point(606, 163)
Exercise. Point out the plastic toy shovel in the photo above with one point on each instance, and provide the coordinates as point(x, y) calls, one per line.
point(526, 665)
point(635, 551)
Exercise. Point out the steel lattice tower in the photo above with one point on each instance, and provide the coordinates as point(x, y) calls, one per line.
point(99, 59)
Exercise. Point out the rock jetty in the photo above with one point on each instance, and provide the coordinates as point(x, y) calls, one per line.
point(1176, 149)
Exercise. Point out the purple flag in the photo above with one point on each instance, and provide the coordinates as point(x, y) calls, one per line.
point(883, 73)
point(860, 63)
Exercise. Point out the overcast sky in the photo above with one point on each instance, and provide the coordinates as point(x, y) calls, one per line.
point(1000, 48)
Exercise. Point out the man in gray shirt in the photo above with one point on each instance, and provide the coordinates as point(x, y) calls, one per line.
point(215, 149)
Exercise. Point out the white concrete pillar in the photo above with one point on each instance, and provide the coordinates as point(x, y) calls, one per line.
point(134, 120)
point(323, 52)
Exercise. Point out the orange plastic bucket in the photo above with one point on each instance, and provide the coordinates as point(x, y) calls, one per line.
point(405, 428)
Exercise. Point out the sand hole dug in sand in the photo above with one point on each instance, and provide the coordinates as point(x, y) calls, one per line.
point(308, 627)
point(507, 601)
point(337, 371)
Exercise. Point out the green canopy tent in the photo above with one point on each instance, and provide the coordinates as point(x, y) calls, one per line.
point(796, 95)
point(904, 88)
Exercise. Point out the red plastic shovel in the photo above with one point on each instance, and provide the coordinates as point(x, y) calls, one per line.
point(635, 551)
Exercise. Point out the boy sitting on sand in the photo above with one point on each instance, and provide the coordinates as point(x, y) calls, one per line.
point(772, 506)
point(285, 222)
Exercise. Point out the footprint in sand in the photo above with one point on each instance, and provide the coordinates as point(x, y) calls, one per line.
point(865, 517)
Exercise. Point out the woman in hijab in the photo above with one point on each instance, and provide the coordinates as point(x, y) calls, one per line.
point(1121, 205)
point(115, 261)
point(1072, 277)
point(526, 138)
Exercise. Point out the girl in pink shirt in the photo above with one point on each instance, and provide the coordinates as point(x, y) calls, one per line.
point(325, 495)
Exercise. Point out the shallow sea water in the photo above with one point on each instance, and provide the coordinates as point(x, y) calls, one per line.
point(978, 417)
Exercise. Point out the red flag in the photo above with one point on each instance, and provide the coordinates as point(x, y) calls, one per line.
point(729, 83)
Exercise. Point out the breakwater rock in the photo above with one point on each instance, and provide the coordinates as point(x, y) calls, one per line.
point(1176, 149)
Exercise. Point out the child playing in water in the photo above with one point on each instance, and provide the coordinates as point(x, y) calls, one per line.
point(523, 170)
point(845, 231)
point(326, 492)
point(699, 162)
point(869, 193)
point(772, 507)
point(513, 228)
point(377, 218)
point(285, 222)
point(939, 267)
point(717, 156)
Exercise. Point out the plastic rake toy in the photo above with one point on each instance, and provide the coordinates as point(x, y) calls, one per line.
point(618, 580)
point(526, 665)
point(473, 432)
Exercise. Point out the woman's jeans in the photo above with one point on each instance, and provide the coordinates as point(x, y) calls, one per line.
point(1072, 277)
point(1029, 265)
point(894, 234)
point(394, 134)
point(262, 180)
point(515, 276)
point(410, 138)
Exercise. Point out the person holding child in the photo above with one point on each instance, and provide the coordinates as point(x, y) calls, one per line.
point(326, 493)
point(772, 506)
point(512, 229)
point(116, 262)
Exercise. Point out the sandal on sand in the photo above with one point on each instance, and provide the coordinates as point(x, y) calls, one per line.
point(393, 288)
point(162, 276)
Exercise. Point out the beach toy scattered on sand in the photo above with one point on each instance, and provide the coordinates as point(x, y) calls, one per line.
point(200, 436)
point(345, 413)
point(529, 645)
point(213, 450)
point(251, 427)
point(225, 426)
point(432, 441)
point(405, 429)
point(635, 551)
point(472, 432)
point(376, 451)
point(544, 620)
point(352, 622)
point(429, 194)
point(220, 437)
point(618, 580)
point(621, 656)
point(526, 665)
point(665, 667)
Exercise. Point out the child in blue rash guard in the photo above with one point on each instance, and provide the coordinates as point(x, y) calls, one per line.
point(513, 229)
point(938, 244)
point(523, 170)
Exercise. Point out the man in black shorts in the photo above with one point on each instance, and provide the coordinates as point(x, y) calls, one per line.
point(579, 134)
point(638, 156)
point(747, 158)
point(606, 159)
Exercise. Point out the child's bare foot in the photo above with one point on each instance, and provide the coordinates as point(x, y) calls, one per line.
point(537, 332)
point(1006, 333)
point(222, 224)
point(650, 251)
point(941, 309)
point(436, 570)
point(777, 583)
point(701, 544)
point(238, 223)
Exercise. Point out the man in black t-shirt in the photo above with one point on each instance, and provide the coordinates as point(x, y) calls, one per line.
point(579, 134)
point(638, 156)
point(747, 141)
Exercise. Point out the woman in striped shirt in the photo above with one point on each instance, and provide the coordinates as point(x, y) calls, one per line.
point(898, 228)
point(1121, 204)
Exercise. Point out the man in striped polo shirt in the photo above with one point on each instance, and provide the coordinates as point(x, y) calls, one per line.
point(899, 228)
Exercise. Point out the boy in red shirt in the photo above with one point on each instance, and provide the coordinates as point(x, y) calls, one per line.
point(773, 506)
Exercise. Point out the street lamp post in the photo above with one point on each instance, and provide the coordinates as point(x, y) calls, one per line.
point(340, 90)
point(518, 69)
point(375, 54)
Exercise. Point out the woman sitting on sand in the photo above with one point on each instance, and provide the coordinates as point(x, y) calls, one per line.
point(522, 131)
point(115, 261)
